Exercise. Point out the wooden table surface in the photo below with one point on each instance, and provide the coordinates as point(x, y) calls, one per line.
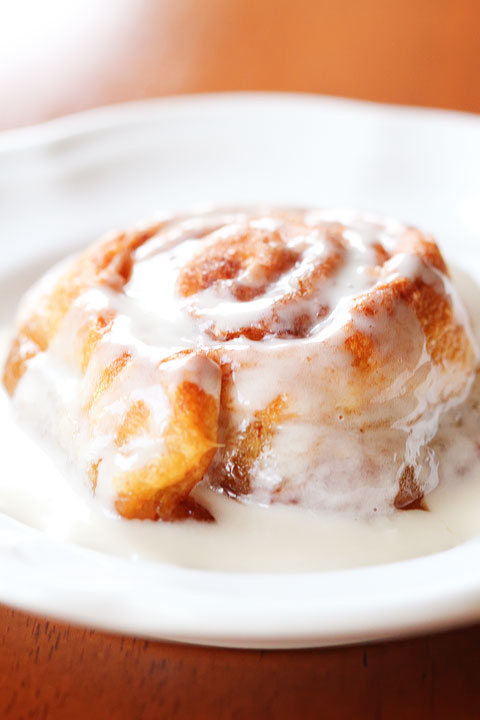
point(57, 58)
point(50, 670)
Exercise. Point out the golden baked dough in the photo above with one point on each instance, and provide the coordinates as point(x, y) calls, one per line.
point(296, 356)
point(159, 488)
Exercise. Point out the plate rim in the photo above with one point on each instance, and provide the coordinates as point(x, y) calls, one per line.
point(302, 618)
point(452, 606)
point(118, 114)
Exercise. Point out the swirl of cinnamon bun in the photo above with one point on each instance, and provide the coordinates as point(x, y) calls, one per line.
point(295, 356)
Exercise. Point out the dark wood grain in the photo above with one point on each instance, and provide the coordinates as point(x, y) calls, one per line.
point(50, 670)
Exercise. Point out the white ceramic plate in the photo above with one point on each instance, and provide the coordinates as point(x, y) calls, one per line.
point(64, 183)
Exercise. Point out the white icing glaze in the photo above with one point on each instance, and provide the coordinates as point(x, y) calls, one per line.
point(319, 451)
point(288, 539)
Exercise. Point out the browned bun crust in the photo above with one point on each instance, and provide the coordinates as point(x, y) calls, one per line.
point(109, 262)
point(322, 318)
point(162, 488)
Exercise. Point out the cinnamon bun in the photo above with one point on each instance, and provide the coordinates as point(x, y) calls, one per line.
point(293, 356)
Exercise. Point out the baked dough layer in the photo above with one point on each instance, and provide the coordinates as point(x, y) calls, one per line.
point(280, 355)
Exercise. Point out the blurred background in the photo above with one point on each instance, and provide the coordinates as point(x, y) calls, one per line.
point(58, 57)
